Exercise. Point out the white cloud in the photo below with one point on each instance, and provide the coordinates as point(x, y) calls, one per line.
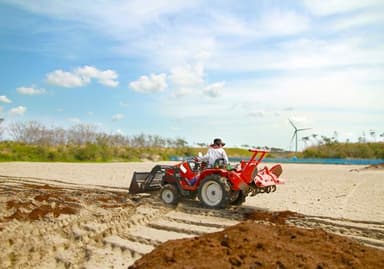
point(187, 76)
point(213, 90)
point(30, 90)
point(107, 17)
point(173, 47)
point(189, 79)
point(325, 8)
point(227, 23)
point(64, 79)
point(86, 73)
point(302, 53)
point(357, 20)
point(277, 23)
point(182, 92)
point(117, 117)
point(18, 111)
point(149, 84)
point(82, 76)
point(186, 80)
point(4, 99)
point(350, 88)
point(106, 77)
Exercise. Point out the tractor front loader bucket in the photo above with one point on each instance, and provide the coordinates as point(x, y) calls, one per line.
point(147, 181)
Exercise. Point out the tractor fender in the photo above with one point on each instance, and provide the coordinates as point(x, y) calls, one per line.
point(186, 171)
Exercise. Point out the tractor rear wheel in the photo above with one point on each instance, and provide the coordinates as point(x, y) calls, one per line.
point(214, 191)
point(169, 194)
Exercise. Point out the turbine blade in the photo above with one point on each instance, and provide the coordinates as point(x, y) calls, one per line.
point(292, 124)
point(302, 129)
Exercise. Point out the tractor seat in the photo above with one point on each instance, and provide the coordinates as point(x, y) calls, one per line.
point(219, 163)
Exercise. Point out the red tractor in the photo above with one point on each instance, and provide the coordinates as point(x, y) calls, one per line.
point(217, 187)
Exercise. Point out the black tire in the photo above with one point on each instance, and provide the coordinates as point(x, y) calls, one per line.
point(192, 195)
point(214, 191)
point(238, 198)
point(169, 194)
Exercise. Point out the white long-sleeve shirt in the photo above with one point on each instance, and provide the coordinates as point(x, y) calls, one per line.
point(214, 153)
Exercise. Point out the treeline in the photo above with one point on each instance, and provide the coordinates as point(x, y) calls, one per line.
point(334, 149)
point(32, 141)
point(35, 133)
point(91, 152)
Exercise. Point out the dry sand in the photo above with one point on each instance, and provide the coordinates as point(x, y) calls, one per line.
point(312, 189)
point(328, 190)
point(102, 174)
point(79, 216)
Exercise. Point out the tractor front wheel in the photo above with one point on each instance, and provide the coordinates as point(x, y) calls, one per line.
point(214, 192)
point(169, 194)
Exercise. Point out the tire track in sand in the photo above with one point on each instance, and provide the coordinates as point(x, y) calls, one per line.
point(366, 232)
point(107, 229)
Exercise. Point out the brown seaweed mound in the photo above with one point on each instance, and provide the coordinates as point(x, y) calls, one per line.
point(253, 245)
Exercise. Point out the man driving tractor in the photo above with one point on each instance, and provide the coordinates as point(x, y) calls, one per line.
point(215, 157)
point(216, 152)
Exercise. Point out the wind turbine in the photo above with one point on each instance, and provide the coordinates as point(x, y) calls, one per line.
point(295, 132)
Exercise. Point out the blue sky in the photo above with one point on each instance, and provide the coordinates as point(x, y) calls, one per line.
point(196, 69)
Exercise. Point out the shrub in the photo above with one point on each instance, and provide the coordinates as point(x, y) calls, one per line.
point(346, 150)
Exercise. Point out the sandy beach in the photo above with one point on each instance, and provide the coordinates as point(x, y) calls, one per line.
point(311, 189)
point(76, 215)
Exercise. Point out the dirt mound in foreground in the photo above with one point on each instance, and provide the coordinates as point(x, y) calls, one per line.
point(253, 245)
